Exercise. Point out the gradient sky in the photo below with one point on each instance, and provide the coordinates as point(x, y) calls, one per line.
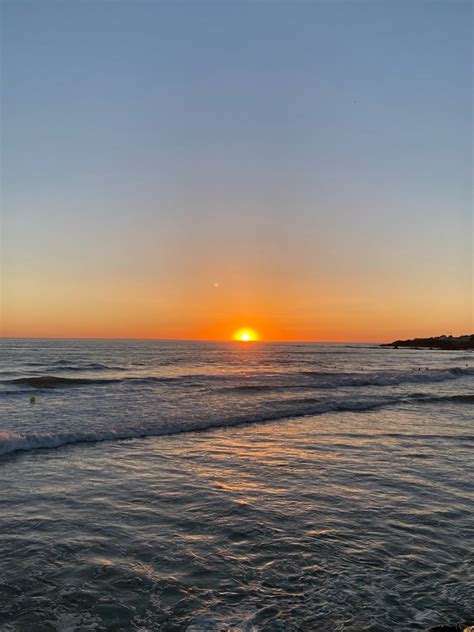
point(183, 169)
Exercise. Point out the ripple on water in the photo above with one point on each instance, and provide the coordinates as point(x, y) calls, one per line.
point(291, 526)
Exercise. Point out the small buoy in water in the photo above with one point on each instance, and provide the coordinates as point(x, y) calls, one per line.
point(32, 399)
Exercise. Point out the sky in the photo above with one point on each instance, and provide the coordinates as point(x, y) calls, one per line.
point(185, 169)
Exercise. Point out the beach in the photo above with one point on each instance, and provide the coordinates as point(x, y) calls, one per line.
point(327, 519)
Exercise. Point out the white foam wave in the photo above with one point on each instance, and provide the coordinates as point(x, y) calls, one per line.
point(285, 409)
point(15, 442)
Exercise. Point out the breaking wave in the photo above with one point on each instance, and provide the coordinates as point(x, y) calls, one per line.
point(294, 408)
point(13, 442)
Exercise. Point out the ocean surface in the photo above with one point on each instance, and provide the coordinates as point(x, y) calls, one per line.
point(198, 486)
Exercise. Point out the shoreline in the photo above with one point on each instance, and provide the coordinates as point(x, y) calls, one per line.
point(438, 343)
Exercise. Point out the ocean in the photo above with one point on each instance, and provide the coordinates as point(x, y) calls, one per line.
point(204, 486)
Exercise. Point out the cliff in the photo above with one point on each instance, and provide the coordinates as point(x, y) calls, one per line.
point(449, 343)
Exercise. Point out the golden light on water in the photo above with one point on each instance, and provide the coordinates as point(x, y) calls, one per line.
point(246, 335)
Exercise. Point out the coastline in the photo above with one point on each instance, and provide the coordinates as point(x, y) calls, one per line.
point(437, 343)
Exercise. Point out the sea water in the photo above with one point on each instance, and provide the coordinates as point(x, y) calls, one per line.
point(158, 485)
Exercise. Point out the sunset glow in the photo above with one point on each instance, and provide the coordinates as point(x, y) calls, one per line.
point(246, 335)
point(191, 203)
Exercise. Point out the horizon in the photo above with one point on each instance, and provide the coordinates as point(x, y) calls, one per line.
point(260, 341)
point(233, 340)
point(182, 171)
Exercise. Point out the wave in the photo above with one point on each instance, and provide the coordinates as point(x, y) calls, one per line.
point(462, 399)
point(290, 409)
point(56, 381)
point(395, 377)
point(70, 365)
point(93, 366)
point(301, 379)
point(53, 381)
point(327, 380)
point(459, 399)
point(15, 442)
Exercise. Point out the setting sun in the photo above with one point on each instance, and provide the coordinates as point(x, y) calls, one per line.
point(246, 335)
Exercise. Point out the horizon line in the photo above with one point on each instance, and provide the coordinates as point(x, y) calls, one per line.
point(189, 339)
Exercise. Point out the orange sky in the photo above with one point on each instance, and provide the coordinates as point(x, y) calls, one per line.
point(207, 308)
point(291, 285)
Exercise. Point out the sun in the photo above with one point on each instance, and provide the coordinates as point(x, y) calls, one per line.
point(246, 335)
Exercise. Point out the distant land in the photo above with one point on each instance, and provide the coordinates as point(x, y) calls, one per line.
point(449, 343)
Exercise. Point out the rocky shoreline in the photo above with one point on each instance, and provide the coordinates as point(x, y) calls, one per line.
point(448, 343)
